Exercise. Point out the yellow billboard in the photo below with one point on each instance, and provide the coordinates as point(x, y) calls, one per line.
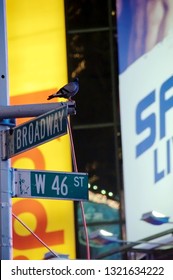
point(37, 67)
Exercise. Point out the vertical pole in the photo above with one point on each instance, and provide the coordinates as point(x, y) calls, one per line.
point(5, 195)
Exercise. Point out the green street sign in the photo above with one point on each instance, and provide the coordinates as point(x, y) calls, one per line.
point(39, 130)
point(54, 185)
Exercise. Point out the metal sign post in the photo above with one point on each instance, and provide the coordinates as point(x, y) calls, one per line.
point(5, 193)
point(34, 110)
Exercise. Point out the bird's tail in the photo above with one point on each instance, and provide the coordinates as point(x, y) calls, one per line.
point(50, 97)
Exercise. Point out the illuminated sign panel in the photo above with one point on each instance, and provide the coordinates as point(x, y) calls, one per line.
point(147, 124)
point(37, 68)
point(146, 106)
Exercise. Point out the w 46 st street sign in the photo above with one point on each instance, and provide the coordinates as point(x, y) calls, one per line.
point(50, 184)
point(35, 132)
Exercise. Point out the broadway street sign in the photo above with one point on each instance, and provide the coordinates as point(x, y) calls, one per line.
point(39, 130)
point(50, 184)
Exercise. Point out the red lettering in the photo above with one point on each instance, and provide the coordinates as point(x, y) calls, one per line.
point(27, 242)
point(20, 257)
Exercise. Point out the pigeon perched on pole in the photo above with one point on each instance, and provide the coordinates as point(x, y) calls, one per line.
point(67, 91)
